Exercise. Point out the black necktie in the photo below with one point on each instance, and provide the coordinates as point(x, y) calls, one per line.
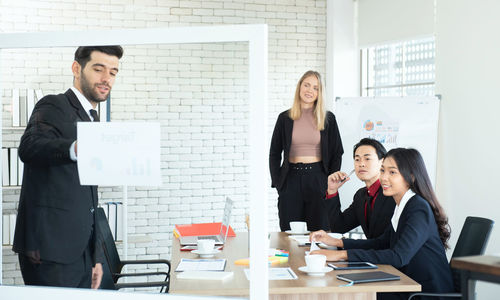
point(368, 206)
point(94, 115)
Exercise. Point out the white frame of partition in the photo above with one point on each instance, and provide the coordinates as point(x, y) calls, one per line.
point(256, 36)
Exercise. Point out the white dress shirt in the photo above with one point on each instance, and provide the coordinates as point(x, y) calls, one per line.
point(399, 208)
point(87, 107)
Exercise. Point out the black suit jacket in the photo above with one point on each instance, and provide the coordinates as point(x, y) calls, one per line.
point(331, 147)
point(414, 248)
point(354, 215)
point(55, 216)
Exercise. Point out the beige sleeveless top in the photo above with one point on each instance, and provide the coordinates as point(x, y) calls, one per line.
point(305, 136)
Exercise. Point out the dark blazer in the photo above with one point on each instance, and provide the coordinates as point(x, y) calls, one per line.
point(55, 216)
point(331, 147)
point(414, 248)
point(354, 215)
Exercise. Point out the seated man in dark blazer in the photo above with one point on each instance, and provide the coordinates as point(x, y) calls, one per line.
point(370, 208)
point(55, 233)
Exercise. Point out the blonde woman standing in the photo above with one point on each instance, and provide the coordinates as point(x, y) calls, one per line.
point(305, 148)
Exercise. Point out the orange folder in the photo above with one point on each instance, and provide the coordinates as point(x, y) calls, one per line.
point(201, 229)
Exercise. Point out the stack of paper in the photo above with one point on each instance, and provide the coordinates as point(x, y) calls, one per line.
point(201, 265)
point(205, 275)
point(277, 274)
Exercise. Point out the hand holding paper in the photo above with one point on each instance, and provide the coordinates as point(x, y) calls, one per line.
point(314, 246)
point(322, 236)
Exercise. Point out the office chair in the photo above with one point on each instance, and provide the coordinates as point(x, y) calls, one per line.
point(472, 241)
point(114, 265)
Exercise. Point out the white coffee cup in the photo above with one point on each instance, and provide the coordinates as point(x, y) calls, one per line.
point(315, 262)
point(298, 226)
point(206, 246)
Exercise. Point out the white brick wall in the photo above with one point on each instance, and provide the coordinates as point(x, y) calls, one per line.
point(198, 92)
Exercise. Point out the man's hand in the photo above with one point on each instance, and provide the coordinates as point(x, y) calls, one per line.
point(323, 237)
point(76, 152)
point(332, 255)
point(96, 275)
point(336, 180)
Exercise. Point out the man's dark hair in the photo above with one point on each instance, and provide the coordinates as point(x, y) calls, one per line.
point(379, 148)
point(82, 54)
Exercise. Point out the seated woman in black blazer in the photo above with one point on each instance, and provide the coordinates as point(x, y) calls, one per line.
point(370, 208)
point(415, 242)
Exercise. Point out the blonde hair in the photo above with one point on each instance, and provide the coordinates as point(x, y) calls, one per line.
point(319, 110)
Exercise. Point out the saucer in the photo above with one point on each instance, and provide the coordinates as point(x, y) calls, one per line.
point(207, 254)
point(304, 232)
point(322, 273)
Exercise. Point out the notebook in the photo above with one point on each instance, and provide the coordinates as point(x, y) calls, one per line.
point(367, 277)
point(219, 239)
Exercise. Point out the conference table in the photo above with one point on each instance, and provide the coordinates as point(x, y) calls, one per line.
point(305, 287)
point(480, 267)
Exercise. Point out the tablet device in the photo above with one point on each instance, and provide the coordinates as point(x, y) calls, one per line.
point(367, 277)
point(351, 265)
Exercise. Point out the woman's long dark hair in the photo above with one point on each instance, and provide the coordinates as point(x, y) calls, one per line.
point(411, 166)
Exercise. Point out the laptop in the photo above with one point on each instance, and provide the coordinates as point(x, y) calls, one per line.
point(219, 239)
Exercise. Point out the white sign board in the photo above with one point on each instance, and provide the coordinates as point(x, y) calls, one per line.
point(409, 122)
point(119, 153)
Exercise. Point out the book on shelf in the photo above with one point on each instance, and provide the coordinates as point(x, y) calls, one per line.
point(112, 218)
point(39, 95)
point(5, 230)
point(5, 167)
point(15, 107)
point(200, 229)
point(114, 214)
point(12, 227)
point(22, 107)
point(13, 166)
point(20, 170)
point(30, 103)
point(8, 228)
point(119, 221)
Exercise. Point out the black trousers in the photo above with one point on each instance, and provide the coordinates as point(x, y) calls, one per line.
point(302, 197)
point(77, 274)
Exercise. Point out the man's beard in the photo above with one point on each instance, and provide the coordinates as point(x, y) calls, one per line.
point(89, 92)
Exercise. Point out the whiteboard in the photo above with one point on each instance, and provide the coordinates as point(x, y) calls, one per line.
point(410, 122)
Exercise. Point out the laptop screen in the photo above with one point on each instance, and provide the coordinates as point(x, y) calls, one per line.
point(224, 228)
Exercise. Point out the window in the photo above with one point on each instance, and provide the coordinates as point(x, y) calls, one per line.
point(399, 69)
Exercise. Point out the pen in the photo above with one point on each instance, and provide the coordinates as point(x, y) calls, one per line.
point(350, 173)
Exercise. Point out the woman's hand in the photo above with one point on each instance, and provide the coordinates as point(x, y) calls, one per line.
point(336, 180)
point(323, 237)
point(332, 255)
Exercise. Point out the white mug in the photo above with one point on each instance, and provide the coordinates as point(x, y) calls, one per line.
point(315, 262)
point(298, 226)
point(206, 246)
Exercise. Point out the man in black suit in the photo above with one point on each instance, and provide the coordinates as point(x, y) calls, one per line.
point(370, 208)
point(55, 234)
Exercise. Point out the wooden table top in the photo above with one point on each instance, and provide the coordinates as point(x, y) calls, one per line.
point(236, 248)
point(486, 264)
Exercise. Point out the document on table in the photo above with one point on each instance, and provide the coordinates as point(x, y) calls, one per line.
point(277, 274)
point(301, 239)
point(201, 265)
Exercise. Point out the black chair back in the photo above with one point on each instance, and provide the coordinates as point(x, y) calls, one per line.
point(472, 241)
point(108, 242)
